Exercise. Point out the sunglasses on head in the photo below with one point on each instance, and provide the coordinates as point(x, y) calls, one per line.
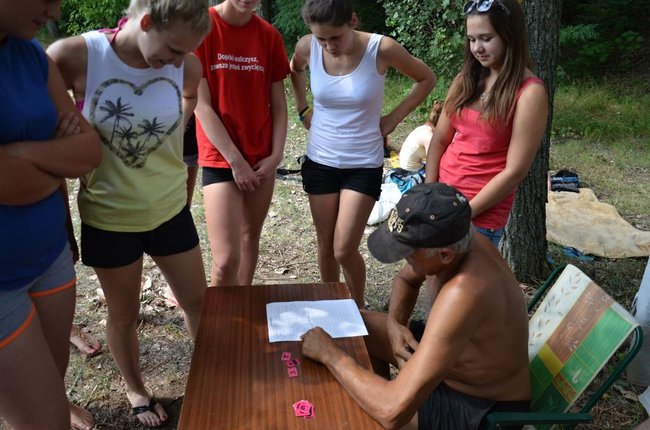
point(479, 5)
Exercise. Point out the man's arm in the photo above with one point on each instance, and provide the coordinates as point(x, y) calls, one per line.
point(404, 294)
point(454, 317)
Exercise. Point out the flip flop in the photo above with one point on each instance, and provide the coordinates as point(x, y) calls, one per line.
point(137, 410)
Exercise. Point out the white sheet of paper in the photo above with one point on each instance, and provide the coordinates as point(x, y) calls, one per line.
point(287, 321)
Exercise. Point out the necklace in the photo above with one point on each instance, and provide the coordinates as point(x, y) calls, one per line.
point(483, 97)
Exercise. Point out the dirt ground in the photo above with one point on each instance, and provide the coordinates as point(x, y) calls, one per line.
point(287, 256)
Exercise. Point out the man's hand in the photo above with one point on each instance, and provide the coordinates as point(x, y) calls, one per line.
point(401, 340)
point(318, 345)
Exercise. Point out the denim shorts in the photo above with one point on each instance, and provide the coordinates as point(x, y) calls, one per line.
point(16, 306)
point(320, 179)
point(493, 235)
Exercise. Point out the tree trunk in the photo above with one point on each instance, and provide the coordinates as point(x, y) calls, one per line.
point(525, 244)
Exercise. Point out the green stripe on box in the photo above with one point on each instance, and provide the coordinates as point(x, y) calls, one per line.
point(540, 378)
point(595, 350)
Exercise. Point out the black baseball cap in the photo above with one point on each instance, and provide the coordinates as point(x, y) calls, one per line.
point(429, 215)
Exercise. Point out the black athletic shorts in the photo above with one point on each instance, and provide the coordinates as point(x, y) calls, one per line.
point(320, 179)
point(111, 249)
point(447, 409)
point(214, 175)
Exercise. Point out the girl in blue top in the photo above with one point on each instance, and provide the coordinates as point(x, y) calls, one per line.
point(42, 141)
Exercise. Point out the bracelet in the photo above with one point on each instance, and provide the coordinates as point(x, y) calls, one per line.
point(303, 113)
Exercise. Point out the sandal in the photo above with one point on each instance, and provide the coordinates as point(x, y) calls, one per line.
point(151, 407)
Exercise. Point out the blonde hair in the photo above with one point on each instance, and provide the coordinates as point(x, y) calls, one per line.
point(436, 110)
point(194, 13)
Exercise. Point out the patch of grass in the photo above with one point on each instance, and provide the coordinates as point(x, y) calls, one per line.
point(618, 173)
point(605, 110)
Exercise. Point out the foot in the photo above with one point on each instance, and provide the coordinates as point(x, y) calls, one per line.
point(149, 412)
point(170, 299)
point(80, 418)
point(645, 425)
point(84, 341)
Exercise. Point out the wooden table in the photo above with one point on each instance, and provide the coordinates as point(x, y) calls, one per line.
point(237, 379)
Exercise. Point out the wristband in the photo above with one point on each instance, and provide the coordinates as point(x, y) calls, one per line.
point(303, 113)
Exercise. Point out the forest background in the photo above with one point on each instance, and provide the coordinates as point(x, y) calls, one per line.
point(601, 130)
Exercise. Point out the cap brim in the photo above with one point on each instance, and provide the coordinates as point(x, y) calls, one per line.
point(383, 246)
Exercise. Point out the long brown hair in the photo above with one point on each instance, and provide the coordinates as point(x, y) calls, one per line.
point(507, 19)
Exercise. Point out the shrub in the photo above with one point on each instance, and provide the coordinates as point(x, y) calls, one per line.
point(432, 30)
point(287, 19)
point(78, 16)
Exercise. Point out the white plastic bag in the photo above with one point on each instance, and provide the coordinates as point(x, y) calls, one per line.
point(388, 198)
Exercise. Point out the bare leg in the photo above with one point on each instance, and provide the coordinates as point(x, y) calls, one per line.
point(38, 355)
point(49, 315)
point(223, 214)
point(354, 210)
point(256, 207)
point(122, 290)
point(28, 358)
point(185, 275)
point(324, 210)
point(191, 181)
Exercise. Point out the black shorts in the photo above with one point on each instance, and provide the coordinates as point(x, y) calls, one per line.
point(447, 409)
point(214, 175)
point(320, 179)
point(111, 249)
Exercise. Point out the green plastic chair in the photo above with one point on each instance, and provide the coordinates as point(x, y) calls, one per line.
point(572, 335)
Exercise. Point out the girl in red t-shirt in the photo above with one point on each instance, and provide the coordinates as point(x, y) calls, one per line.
point(241, 130)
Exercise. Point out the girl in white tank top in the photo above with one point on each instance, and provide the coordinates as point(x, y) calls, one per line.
point(346, 128)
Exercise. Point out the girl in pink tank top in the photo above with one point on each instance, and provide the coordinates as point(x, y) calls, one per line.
point(494, 116)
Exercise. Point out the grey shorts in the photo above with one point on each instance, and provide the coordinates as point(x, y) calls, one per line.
point(447, 409)
point(16, 306)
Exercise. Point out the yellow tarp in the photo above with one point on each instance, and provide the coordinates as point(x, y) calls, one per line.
point(592, 227)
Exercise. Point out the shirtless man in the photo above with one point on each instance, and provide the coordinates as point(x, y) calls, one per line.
point(472, 354)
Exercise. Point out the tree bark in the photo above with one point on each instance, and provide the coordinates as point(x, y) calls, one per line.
point(524, 245)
